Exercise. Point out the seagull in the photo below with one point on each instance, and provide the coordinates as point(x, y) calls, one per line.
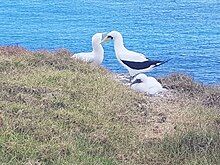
point(144, 84)
point(134, 62)
point(97, 54)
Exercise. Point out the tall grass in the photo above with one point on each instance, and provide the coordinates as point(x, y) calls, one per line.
point(56, 110)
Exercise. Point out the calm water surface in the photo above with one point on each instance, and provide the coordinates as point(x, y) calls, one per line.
point(188, 31)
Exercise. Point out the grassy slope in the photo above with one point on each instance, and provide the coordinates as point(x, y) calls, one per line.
point(55, 110)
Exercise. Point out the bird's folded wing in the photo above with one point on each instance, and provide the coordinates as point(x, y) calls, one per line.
point(87, 57)
point(132, 56)
point(141, 65)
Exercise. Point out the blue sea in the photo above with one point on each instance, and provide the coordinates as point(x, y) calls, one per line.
point(188, 31)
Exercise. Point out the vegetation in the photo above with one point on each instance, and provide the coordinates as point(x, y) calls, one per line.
point(56, 110)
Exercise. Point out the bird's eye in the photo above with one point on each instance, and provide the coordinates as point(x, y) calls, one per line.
point(110, 37)
point(139, 81)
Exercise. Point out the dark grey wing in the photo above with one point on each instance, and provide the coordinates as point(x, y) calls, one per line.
point(142, 65)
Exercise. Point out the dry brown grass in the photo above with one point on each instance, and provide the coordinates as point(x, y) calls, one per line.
point(185, 85)
point(56, 110)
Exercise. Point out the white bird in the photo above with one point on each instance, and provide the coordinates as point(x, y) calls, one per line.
point(145, 84)
point(134, 62)
point(97, 54)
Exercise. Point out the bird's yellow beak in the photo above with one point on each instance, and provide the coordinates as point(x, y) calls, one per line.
point(105, 39)
point(104, 35)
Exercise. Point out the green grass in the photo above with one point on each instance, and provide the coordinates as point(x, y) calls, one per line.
point(56, 110)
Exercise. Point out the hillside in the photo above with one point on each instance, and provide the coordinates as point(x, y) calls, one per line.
point(55, 110)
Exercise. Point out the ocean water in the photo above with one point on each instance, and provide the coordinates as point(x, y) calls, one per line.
point(188, 31)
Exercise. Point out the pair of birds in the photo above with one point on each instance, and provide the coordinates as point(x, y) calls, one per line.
point(135, 63)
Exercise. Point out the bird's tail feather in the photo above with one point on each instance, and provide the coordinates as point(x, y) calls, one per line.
point(162, 62)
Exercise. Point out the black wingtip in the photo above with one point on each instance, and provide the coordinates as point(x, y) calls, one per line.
point(162, 62)
point(168, 60)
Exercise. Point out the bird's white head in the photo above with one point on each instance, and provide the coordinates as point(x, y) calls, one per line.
point(97, 38)
point(113, 35)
